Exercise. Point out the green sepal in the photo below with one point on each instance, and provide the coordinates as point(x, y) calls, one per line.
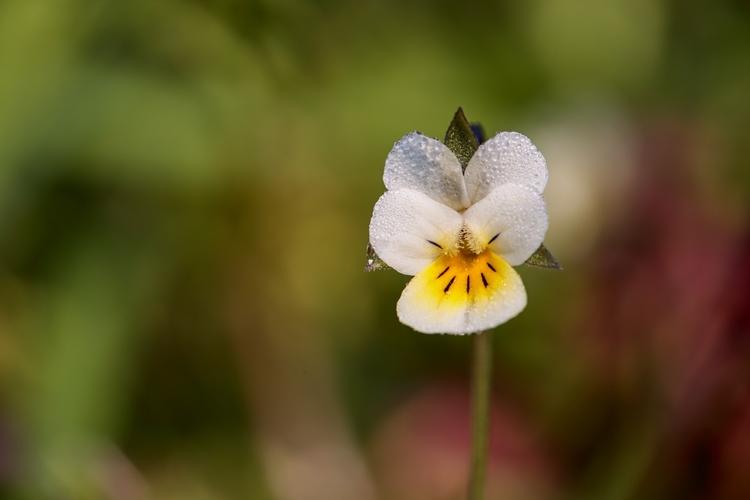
point(543, 258)
point(374, 263)
point(460, 139)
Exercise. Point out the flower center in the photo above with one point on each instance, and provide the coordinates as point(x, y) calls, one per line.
point(466, 276)
point(470, 245)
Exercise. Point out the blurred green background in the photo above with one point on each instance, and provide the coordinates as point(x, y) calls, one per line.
point(185, 192)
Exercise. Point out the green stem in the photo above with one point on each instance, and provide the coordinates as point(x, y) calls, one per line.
point(480, 413)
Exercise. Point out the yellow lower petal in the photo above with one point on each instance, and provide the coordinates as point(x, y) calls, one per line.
point(463, 293)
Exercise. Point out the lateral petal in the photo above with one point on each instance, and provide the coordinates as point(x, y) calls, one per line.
point(409, 230)
point(509, 157)
point(426, 165)
point(458, 295)
point(511, 220)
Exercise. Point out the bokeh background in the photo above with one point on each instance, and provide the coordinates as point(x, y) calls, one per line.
point(185, 192)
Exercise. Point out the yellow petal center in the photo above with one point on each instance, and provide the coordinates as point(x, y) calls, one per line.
point(464, 277)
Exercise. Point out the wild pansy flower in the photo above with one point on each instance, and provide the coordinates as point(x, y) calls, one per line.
point(458, 232)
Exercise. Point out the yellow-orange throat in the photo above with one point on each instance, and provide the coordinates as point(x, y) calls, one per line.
point(464, 277)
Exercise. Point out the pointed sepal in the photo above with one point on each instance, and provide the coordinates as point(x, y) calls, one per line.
point(374, 263)
point(460, 139)
point(543, 258)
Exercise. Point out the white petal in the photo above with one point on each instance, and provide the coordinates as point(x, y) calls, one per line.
point(428, 166)
point(509, 157)
point(409, 230)
point(459, 299)
point(515, 216)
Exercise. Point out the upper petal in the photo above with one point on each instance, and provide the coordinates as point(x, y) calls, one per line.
point(509, 157)
point(409, 230)
point(512, 220)
point(428, 166)
point(455, 296)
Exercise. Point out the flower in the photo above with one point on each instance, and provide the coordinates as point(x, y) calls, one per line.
point(458, 233)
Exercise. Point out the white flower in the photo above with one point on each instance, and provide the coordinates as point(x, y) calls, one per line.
point(460, 233)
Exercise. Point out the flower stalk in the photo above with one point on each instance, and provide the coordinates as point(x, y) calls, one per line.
point(481, 384)
point(458, 215)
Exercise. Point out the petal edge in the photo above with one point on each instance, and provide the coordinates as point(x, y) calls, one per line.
point(440, 301)
point(409, 230)
point(512, 220)
point(426, 165)
point(508, 157)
